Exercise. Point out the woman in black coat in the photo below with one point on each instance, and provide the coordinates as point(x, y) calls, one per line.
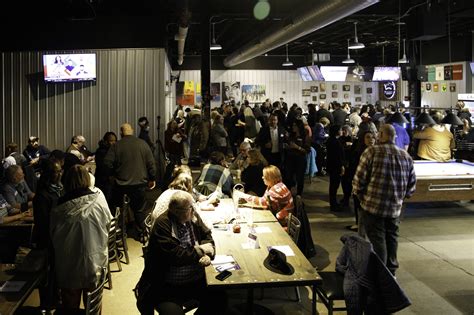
point(335, 165)
point(252, 174)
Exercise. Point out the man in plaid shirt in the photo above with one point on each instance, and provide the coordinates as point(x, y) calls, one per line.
point(384, 177)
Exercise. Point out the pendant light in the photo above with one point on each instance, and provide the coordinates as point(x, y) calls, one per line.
point(214, 45)
point(287, 63)
point(404, 58)
point(348, 59)
point(355, 44)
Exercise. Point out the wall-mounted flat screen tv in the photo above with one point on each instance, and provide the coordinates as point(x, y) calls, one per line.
point(69, 67)
point(315, 73)
point(472, 68)
point(304, 74)
point(334, 73)
point(386, 74)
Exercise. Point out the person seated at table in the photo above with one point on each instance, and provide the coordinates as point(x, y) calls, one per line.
point(436, 141)
point(277, 197)
point(241, 160)
point(16, 190)
point(8, 214)
point(182, 182)
point(79, 149)
point(179, 249)
point(252, 175)
point(79, 224)
point(34, 151)
point(215, 176)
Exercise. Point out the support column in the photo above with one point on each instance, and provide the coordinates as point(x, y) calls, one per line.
point(205, 58)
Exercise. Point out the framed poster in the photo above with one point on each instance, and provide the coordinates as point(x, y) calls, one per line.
point(334, 87)
point(358, 99)
point(369, 90)
point(231, 92)
point(346, 96)
point(428, 87)
point(215, 92)
point(314, 98)
point(322, 96)
point(435, 87)
point(452, 87)
point(357, 89)
point(444, 87)
point(334, 94)
point(185, 93)
point(314, 89)
point(322, 87)
point(346, 87)
point(253, 93)
point(306, 92)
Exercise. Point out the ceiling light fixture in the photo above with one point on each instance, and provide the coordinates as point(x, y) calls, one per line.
point(355, 44)
point(287, 63)
point(214, 45)
point(348, 59)
point(404, 58)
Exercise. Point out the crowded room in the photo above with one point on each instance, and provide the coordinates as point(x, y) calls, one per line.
point(247, 157)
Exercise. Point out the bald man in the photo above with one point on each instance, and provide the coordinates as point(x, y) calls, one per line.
point(384, 178)
point(131, 163)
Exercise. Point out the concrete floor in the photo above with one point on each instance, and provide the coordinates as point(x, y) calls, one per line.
point(436, 256)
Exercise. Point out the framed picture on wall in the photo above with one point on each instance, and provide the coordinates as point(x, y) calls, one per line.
point(357, 89)
point(322, 96)
point(358, 99)
point(435, 87)
point(428, 87)
point(334, 87)
point(369, 90)
point(452, 87)
point(314, 98)
point(346, 96)
point(306, 92)
point(322, 87)
point(346, 87)
point(314, 89)
point(444, 87)
point(334, 94)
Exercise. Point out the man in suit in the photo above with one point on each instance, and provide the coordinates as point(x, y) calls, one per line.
point(270, 139)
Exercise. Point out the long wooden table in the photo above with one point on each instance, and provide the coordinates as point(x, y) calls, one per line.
point(253, 274)
point(10, 301)
point(225, 211)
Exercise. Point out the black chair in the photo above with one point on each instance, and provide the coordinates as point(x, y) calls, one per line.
point(294, 226)
point(93, 303)
point(121, 237)
point(331, 290)
point(114, 255)
point(94, 298)
point(146, 233)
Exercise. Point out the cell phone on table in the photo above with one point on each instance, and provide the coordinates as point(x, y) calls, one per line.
point(223, 275)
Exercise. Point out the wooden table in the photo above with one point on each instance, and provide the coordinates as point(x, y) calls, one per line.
point(225, 212)
point(10, 301)
point(253, 274)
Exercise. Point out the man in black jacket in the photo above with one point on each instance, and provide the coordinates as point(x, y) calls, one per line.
point(131, 162)
point(270, 139)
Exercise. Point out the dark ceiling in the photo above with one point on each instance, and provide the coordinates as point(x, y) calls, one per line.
point(83, 24)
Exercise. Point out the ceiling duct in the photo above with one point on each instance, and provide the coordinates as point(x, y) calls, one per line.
point(183, 24)
point(306, 21)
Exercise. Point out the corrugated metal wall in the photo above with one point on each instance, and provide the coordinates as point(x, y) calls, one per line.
point(130, 84)
point(278, 81)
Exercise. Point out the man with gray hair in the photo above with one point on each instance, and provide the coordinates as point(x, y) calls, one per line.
point(131, 163)
point(384, 177)
point(179, 249)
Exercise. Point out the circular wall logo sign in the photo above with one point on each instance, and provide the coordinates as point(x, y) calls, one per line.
point(389, 89)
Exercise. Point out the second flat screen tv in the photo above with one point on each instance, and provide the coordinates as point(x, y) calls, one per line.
point(315, 73)
point(304, 74)
point(69, 67)
point(386, 74)
point(336, 73)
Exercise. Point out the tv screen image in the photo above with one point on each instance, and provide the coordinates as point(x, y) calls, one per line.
point(315, 73)
point(386, 74)
point(336, 74)
point(304, 74)
point(472, 68)
point(69, 67)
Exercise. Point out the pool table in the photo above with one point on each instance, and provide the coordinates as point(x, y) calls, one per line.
point(443, 181)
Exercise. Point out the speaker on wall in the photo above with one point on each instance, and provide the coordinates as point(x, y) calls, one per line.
point(427, 22)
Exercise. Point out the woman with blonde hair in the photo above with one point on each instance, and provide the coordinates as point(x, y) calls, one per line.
point(252, 174)
point(277, 197)
point(250, 123)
